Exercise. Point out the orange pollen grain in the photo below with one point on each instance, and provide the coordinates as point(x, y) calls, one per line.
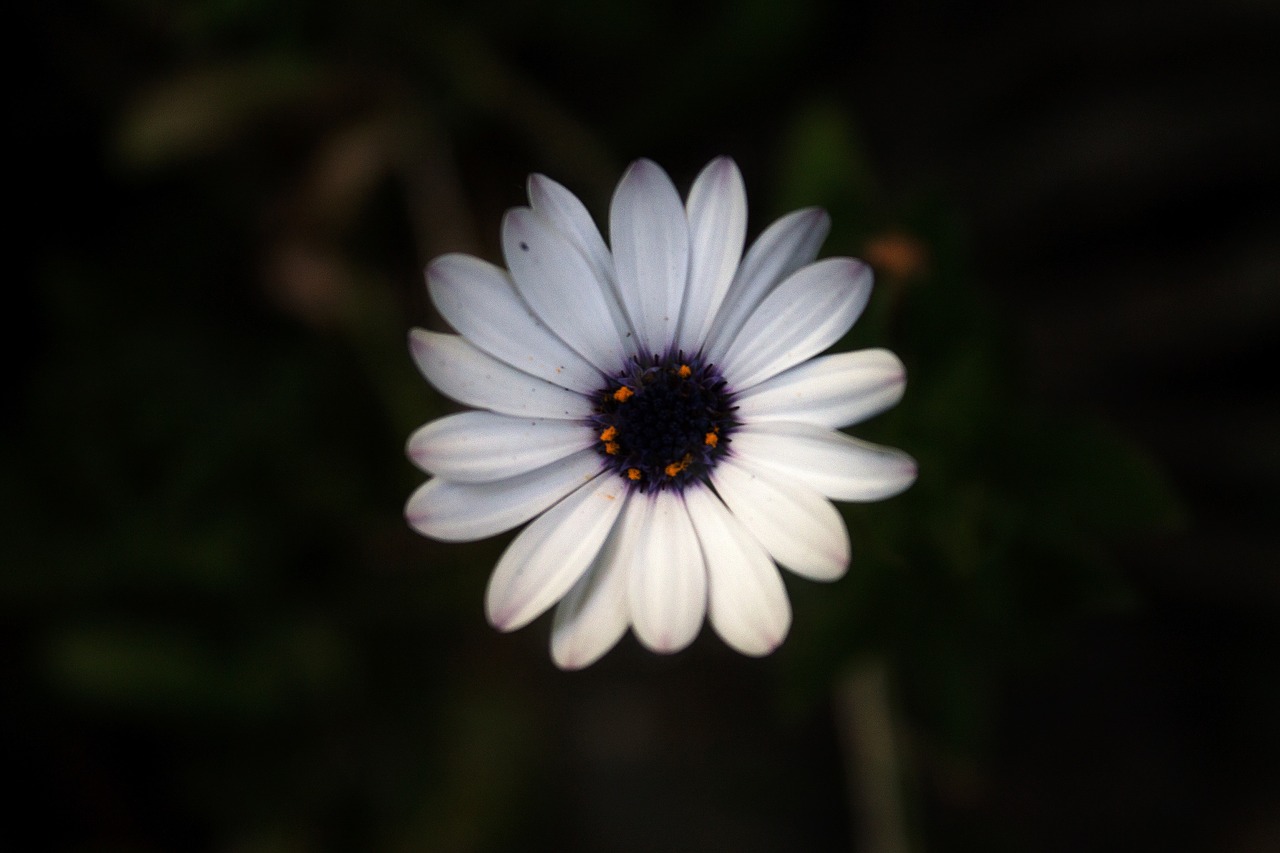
point(609, 434)
point(711, 439)
point(685, 371)
point(633, 473)
point(676, 467)
point(623, 394)
point(611, 447)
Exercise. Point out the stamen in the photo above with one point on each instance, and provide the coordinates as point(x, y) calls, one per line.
point(623, 394)
point(676, 467)
point(611, 447)
point(633, 473)
point(609, 434)
point(685, 371)
point(711, 439)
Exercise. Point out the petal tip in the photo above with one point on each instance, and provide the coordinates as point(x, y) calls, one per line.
point(413, 449)
point(814, 217)
point(570, 660)
point(646, 171)
point(837, 566)
point(419, 341)
point(768, 645)
point(667, 642)
point(755, 641)
point(722, 167)
point(417, 520)
point(576, 653)
point(662, 645)
point(435, 268)
point(855, 268)
point(445, 268)
point(501, 618)
point(519, 224)
point(513, 218)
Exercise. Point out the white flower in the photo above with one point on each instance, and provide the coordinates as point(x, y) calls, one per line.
point(656, 410)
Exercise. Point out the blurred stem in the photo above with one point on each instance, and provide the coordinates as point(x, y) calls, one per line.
point(873, 764)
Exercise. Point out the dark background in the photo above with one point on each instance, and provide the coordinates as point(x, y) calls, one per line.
point(220, 635)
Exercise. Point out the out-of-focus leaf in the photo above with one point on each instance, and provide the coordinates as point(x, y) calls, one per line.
point(151, 669)
point(1090, 474)
point(824, 164)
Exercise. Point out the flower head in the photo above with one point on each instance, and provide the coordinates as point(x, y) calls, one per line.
point(656, 409)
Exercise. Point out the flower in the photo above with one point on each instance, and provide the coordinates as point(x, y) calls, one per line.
point(656, 410)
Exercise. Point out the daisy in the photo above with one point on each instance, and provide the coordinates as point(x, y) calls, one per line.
point(655, 407)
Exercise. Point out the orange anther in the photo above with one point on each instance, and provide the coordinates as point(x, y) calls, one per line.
point(685, 371)
point(623, 394)
point(611, 447)
point(633, 473)
point(609, 434)
point(711, 439)
point(676, 467)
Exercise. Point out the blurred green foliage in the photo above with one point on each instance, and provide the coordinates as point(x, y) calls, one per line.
point(220, 617)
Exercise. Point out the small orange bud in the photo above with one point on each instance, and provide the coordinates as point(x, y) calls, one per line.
point(897, 254)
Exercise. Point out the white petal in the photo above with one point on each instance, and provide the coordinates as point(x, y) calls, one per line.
point(667, 583)
point(747, 602)
point(568, 215)
point(593, 616)
point(479, 447)
point(833, 390)
point(558, 283)
point(785, 246)
point(460, 371)
point(796, 525)
point(650, 239)
point(717, 213)
point(464, 512)
point(838, 466)
point(549, 556)
point(804, 315)
point(480, 301)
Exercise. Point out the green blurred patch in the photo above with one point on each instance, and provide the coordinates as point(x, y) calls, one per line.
point(825, 164)
point(143, 668)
